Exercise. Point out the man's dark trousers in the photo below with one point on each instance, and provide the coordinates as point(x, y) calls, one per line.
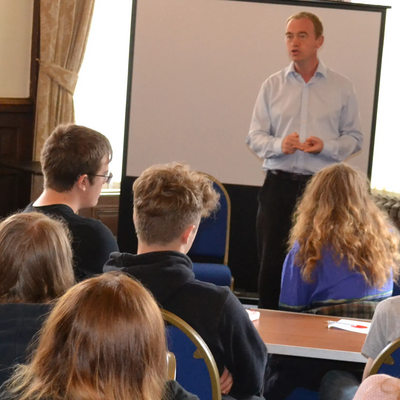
point(276, 202)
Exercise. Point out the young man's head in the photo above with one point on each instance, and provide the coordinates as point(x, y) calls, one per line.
point(73, 155)
point(169, 201)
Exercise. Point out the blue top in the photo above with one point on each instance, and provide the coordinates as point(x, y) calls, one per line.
point(326, 107)
point(332, 284)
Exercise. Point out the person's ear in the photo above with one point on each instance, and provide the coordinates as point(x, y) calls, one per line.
point(82, 182)
point(320, 41)
point(189, 234)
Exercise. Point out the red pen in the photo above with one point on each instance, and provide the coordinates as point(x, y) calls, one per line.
point(358, 326)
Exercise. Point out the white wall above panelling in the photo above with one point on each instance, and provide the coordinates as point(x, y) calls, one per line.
point(16, 17)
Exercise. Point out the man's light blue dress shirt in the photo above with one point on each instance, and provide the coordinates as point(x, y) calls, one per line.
point(325, 107)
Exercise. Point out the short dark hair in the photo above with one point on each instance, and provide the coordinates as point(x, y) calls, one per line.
point(71, 151)
point(318, 27)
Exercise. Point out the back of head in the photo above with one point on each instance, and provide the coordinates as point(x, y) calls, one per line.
point(72, 151)
point(104, 339)
point(35, 259)
point(169, 198)
point(318, 27)
point(337, 210)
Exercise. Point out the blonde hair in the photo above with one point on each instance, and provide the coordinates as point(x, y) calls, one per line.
point(169, 198)
point(105, 339)
point(337, 211)
point(318, 27)
point(35, 259)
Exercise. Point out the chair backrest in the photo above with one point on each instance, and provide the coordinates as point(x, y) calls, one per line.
point(212, 237)
point(388, 361)
point(171, 366)
point(196, 370)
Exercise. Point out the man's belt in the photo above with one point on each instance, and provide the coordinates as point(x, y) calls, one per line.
point(289, 175)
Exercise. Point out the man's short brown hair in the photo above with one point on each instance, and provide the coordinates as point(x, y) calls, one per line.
point(72, 151)
point(168, 199)
point(318, 27)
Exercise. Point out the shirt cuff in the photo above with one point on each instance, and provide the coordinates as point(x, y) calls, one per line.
point(328, 148)
point(278, 146)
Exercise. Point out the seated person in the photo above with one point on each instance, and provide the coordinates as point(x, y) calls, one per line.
point(75, 166)
point(104, 339)
point(385, 328)
point(169, 202)
point(344, 249)
point(35, 268)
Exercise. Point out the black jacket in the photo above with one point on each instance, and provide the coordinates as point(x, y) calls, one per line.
point(92, 241)
point(213, 311)
point(18, 325)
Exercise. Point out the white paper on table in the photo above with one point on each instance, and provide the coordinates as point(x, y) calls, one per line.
point(350, 325)
point(253, 315)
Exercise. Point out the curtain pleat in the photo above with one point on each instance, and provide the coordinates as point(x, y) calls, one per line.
point(64, 30)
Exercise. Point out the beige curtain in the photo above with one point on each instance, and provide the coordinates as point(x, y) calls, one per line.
point(64, 30)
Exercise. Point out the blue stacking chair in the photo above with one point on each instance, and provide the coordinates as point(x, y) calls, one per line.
point(388, 360)
point(196, 370)
point(212, 242)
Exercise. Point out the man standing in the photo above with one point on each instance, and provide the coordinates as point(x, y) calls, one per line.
point(305, 118)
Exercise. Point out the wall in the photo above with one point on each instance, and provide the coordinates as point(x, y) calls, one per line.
point(19, 33)
point(16, 19)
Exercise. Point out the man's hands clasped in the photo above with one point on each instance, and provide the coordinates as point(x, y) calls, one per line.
point(291, 144)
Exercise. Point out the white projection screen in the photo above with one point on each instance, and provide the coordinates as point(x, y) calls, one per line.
point(197, 67)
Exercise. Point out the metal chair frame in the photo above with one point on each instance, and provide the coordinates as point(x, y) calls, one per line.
point(202, 350)
point(385, 357)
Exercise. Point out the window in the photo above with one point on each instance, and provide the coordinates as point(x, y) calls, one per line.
point(100, 96)
point(386, 159)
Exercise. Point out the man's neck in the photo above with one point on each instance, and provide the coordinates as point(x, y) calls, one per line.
point(50, 197)
point(307, 69)
point(147, 248)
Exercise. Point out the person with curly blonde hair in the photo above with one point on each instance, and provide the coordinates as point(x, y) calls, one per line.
point(343, 247)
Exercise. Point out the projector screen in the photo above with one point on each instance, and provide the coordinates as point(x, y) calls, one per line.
point(198, 66)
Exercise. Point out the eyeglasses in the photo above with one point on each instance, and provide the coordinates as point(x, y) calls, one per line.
point(106, 177)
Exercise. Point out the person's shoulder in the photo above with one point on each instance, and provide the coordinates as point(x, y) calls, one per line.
point(338, 78)
point(207, 289)
point(276, 76)
point(389, 306)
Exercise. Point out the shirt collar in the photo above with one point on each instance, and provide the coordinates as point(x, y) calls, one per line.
point(321, 69)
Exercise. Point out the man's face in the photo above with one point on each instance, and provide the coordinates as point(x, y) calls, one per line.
point(301, 42)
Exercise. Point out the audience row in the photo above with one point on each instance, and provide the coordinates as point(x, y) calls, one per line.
point(343, 252)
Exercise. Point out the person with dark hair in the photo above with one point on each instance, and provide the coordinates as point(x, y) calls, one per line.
point(169, 202)
point(35, 269)
point(104, 339)
point(75, 163)
point(305, 118)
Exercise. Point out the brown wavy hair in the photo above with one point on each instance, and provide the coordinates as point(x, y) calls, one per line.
point(168, 199)
point(104, 339)
point(35, 259)
point(337, 211)
point(71, 151)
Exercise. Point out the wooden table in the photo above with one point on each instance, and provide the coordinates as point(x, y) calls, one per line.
point(306, 335)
